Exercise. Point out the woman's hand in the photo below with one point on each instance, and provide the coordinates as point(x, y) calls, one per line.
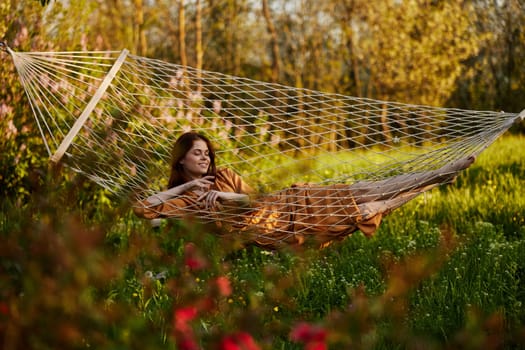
point(199, 186)
point(202, 184)
point(211, 198)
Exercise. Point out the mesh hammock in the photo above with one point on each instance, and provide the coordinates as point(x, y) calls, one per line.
point(323, 164)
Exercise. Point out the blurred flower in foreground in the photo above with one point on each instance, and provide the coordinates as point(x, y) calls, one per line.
point(182, 329)
point(313, 337)
point(182, 317)
point(4, 308)
point(224, 285)
point(192, 258)
point(238, 341)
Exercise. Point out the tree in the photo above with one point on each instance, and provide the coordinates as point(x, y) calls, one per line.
point(23, 163)
point(273, 42)
point(182, 34)
point(414, 49)
point(139, 33)
point(495, 79)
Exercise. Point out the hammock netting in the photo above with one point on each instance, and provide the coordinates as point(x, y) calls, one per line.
point(114, 117)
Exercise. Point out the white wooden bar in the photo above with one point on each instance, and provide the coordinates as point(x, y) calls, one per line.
point(89, 108)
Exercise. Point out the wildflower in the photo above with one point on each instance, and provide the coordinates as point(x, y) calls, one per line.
point(192, 259)
point(275, 140)
point(4, 308)
point(217, 106)
point(21, 37)
point(182, 316)
point(224, 285)
point(195, 96)
point(263, 130)
point(11, 129)
point(5, 109)
point(238, 341)
point(133, 170)
point(314, 337)
point(186, 342)
point(182, 330)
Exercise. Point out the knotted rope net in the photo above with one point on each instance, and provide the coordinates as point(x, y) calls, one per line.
point(114, 117)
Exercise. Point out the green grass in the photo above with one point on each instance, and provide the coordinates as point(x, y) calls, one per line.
point(446, 270)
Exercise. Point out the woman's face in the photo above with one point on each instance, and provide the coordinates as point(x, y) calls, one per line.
point(197, 161)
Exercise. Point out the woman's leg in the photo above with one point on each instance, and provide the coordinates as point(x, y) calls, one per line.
point(371, 191)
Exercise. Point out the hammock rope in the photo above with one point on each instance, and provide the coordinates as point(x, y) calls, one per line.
point(114, 117)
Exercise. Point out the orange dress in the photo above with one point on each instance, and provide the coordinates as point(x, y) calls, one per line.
point(293, 216)
point(302, 212)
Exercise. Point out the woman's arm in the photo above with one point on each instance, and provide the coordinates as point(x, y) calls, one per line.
point(203, 184)
point(211, 198)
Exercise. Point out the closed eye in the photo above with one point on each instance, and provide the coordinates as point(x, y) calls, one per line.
point(198, 153)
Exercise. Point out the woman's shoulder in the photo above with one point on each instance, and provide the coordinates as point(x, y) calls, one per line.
point(226, 172)
point(229, 180)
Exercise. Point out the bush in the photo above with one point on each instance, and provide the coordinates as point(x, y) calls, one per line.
point(442, 272)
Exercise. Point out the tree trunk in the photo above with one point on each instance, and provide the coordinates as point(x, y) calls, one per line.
point(198, 43)
point(182, 35)
point(140, 35)
point(384, 125)
point(273, 40)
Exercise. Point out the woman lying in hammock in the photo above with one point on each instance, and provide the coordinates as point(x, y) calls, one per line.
point(293, 216)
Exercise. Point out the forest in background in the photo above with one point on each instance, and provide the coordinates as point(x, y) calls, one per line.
point(463, 54)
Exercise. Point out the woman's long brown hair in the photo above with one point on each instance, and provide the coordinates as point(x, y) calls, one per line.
point(182, 146)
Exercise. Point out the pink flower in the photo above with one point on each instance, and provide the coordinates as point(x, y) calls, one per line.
point(187, 343)
point(21, 37)
point(314, 337)
point(4, 308)
point(217, 106)
point(182, 331)
point(224, 285)
point(239, 341)
point(5, 109)
point(192, 258)
point(182, 316)
point(11, 129)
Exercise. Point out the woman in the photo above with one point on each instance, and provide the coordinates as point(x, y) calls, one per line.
point(194, 182)
point(291, 216)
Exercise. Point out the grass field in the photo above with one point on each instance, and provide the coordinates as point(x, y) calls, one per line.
point(447, 270)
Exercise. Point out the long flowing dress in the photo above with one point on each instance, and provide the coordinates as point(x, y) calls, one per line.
point(303, 212)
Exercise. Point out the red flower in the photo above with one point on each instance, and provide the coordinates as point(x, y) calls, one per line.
point(224, 285)
point(182, 330)
point(182, 316)
point(192, 258)
point(238, 341)
point(187, 343)
point(314, 337)
point(4, 308)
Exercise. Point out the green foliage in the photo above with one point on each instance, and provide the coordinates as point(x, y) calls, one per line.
point(438, 274)
point(22, 163)
point(494, 193)
point(23, 160)
point(420, 60)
